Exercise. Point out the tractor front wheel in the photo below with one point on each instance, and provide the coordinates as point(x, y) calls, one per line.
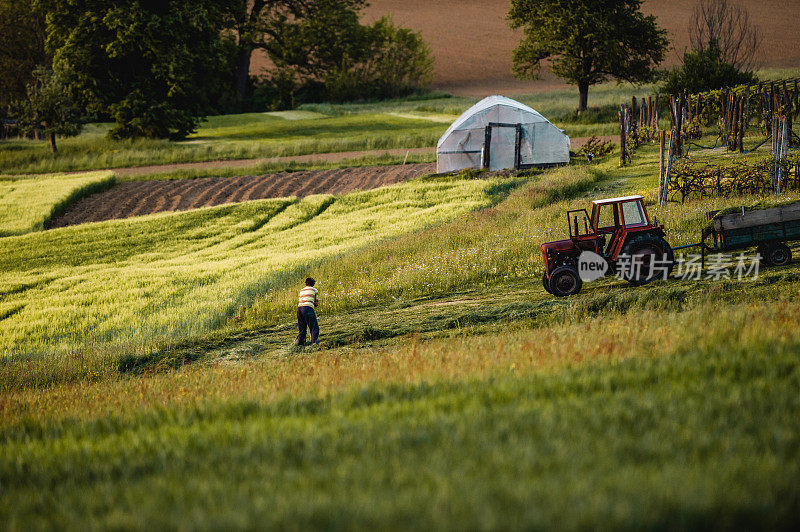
point(565, 281)
point(649, 257)
point(546, 283)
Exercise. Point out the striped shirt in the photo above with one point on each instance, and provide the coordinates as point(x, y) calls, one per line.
point(308, 296)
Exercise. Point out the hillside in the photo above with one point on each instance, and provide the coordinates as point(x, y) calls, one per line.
point(472, 42)
point(149, 376)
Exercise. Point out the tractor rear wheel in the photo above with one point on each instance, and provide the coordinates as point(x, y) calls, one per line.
point(650, 258)
point(565, 281)
point(777, 254)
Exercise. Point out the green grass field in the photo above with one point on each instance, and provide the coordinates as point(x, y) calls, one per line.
point(320, 128)
point(132, 284)
point(150, 378)
point(29, 203)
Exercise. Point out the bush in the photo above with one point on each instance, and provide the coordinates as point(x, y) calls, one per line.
point(378, 62)
point(705, 70)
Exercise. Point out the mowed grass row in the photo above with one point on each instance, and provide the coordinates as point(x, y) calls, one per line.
point(640, 419)
point(29, 203)
point(133, 283)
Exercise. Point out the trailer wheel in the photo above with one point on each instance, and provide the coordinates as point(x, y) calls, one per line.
point(776, 254)
point(545, 283)
point(565, 281)
point(649, 256)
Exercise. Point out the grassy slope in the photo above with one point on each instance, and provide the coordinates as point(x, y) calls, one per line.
point(458, 395)
point(643, 420)
point(28, 204)
point(136, 282)
point(345, 127)
point(670, 405)
point(224, 137)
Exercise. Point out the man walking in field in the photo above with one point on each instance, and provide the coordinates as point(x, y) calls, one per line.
point(306, 317)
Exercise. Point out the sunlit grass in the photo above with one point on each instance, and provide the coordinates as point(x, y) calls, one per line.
point(255, 135)
point(640, 419)
point(131, 283)
point(28, 204)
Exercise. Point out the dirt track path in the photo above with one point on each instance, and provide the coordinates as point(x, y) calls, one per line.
point(315, 157)
point(244, 163)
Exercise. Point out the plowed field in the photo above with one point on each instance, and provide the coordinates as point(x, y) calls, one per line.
point(136, 198)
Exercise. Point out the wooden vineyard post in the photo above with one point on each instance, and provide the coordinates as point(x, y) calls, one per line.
point(784, 147)
point(668, 165)
point(662, 182)
point(742, 121)
point(680, 111)
point(655, 112)
point(622, 136)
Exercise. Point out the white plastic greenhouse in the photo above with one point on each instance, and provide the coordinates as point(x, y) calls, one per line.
point(498, 133)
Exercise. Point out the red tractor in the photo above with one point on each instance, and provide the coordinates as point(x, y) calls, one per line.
point(620, 233)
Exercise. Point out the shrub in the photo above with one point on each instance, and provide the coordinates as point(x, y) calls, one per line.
point(378, 61)
point(705, 70)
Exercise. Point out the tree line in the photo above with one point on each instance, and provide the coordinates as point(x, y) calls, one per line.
point(155, 68)
point(586, 42)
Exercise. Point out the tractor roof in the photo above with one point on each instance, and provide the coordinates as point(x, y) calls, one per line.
point(616, 200)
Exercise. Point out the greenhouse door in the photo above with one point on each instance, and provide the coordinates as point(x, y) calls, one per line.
point(501, 148)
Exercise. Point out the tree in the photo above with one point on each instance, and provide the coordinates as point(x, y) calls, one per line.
point(244, 19)
point(49, 107)
point(587, 41)
point(328, 54)
point(727, 26)
point(704, 70)
point(21, 48)
point(153, 67)
point(397, 61)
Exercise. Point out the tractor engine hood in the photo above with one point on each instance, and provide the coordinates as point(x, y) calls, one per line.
point(558, 245)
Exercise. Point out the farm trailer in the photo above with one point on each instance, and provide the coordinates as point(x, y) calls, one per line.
point(768, 230)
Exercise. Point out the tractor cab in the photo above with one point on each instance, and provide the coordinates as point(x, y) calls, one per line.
point(616, 226)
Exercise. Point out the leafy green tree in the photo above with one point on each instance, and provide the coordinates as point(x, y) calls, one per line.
point(22, 34)
point(153, 67)
point(328, 54)
point(587, 41)
point(320, 50)
point(49, 107)
point(398, 60)
point(704, 70)
point(247, 22)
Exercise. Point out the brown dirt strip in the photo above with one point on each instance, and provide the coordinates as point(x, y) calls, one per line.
point(135, 198)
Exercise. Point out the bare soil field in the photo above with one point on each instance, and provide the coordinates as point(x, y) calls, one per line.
point(136, 198)
point(472, 42)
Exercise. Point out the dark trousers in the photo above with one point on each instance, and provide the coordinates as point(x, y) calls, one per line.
point(306, 317)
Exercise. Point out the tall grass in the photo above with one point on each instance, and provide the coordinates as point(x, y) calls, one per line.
point(136, 282)
point(28, 204)
point(645, 420)
point(246, 136)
